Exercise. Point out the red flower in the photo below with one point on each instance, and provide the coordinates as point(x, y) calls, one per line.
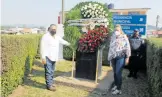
point(89, 44)
point(90, 41)
point(92, 49)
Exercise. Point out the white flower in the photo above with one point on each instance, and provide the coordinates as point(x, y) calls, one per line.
point(85, 7)
point(90, 4)
point(103, 17)
point(96, 4)
point(105, 20)
point(107, 23)
point(84, 15)
point(88, 16)
point(97, 14)
point(106, 15)
point(90, 10)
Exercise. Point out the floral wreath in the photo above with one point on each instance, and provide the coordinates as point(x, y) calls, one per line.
point(93, 11)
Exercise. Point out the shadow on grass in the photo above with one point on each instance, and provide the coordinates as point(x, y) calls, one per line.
point(29, 81)
point(32, 83)
point(38, 63)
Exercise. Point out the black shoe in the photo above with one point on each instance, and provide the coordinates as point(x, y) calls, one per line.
point(130, 75)
point(51, 88)
point(135, 76)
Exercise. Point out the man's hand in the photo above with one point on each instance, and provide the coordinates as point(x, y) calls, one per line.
point(68, 44)
point(126, 61)
point(43, 61)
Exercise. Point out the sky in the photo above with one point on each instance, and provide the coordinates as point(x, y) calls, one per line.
point(46, 12)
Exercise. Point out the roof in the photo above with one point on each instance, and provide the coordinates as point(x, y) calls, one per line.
point(27, 30)
point(130, 9)
point(125, 9)
point(159, 32)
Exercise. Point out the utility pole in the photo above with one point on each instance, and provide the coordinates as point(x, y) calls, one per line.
point(157, 21)
point(62, 11)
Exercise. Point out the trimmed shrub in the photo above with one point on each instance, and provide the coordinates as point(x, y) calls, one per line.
point(154, 66)
point(75, 13)
point(18, 53)
point(73, 32)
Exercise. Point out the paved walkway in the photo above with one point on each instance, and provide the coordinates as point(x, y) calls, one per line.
point(103, 82)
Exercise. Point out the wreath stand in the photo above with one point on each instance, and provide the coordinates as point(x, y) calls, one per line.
point(89, 23)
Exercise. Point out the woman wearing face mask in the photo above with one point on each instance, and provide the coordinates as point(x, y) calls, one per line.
point(118, 55)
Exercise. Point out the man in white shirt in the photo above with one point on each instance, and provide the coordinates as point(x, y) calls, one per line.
point(49, 52)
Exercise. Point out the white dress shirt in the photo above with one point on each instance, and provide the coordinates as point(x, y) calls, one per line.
point(50, 46)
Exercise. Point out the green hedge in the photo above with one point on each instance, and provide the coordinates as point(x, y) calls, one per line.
point(154, 66)
point(18, 53)
point(74, 32)
point(75, 13)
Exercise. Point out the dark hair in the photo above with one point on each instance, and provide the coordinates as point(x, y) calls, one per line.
point(134, 34)
point(48, 28)
point(51, 26)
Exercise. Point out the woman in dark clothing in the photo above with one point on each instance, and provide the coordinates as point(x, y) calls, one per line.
point(135, 41)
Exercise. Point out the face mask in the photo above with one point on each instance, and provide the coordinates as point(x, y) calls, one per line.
point(117, 33)
point(53, 32)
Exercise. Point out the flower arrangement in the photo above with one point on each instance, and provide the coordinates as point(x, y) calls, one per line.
point(93, 11)
point(90, 41)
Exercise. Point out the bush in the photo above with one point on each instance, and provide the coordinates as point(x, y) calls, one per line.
point(18, 53)
point(154, 66)
point(75, 34)
point(75, 13)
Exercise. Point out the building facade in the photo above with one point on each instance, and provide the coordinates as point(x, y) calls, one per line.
point(129, 11)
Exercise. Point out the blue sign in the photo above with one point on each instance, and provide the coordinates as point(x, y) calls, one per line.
point(127, 29)
point(129, 19)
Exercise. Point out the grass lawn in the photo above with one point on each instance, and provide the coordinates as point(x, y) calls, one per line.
point(156, 41)
point(34, 86)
